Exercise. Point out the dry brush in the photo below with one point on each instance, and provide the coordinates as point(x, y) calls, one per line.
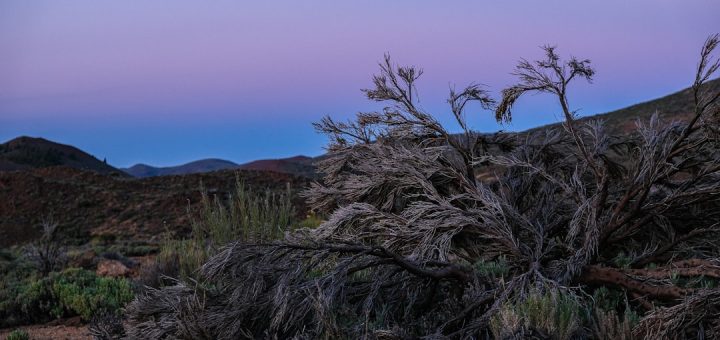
point(442, 235)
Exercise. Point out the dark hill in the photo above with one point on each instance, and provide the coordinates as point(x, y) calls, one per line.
point(200, 166)
point(298, 165)
point(24, 153)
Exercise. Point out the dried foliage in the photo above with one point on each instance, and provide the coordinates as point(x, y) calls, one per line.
point(107, 326)
point(416, 245)
point(49, 251)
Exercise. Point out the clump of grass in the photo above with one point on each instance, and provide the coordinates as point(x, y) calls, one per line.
point(18, 334)
point(245, 215)
point(612, 317)
point(607, 325)
point(556, 315)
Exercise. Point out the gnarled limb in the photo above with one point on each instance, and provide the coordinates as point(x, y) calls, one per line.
point(598, 275)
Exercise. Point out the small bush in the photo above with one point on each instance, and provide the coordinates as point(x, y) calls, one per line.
point(18, 334)
point(48, 252)
point(61, 294)
point(82, 292)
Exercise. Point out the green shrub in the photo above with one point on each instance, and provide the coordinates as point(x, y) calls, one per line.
point(16, 273)
point(67, 293)
point(83, 293)
point(18, 334)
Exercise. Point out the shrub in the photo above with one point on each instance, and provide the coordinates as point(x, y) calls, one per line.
point(48, 252)
point(60, 294)
point(411, 232)
point(18, 334)
point(16, 272)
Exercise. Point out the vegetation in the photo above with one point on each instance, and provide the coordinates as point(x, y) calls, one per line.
point(245, 216)
point(577, 231)
point(61, 294)
point(48, 252)
point(34, 287)
point(18, 334)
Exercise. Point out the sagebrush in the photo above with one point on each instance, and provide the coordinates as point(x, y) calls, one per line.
point(417, 245)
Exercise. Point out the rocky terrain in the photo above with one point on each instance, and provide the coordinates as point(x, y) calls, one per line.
point(88, 204)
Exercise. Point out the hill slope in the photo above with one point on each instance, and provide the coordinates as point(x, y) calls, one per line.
point(298, 165)
point(675, 106)
point(199, 166)
point(31, 153)
point(86, 203)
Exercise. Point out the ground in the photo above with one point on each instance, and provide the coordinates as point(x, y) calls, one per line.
point(56, 330)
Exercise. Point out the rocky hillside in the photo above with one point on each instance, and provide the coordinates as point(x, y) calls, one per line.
point(88, 204)
point(30, 153)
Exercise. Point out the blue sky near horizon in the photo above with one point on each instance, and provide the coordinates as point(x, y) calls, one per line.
point(167, 82)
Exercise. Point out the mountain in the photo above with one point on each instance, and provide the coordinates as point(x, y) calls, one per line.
point(200, 166)
point(24, 153)
point(298, 165)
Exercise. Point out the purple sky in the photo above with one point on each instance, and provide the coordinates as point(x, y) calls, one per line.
point(166, 82)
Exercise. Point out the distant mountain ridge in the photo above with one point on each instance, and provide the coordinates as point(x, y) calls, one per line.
point(25, 153)
point(298, 165)
point(199, 166)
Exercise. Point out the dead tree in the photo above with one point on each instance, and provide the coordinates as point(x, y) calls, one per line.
point(48, 252)
point(410, 224)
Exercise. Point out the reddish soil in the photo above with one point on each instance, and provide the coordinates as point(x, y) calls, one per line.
point(57, 330)
point(88, 204)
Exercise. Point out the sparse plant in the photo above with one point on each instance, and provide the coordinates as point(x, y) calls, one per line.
point(48, 252)
point(411, 227)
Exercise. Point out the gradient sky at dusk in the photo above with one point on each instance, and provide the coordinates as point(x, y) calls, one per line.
point(166, 82)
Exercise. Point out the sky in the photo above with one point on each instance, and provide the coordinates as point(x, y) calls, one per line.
point(168, 82)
